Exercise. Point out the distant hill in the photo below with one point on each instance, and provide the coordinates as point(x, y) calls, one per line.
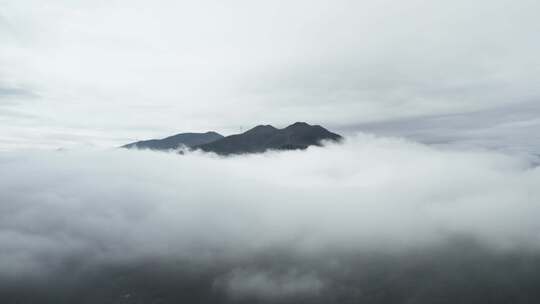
point(173, 142)
point(261, 138)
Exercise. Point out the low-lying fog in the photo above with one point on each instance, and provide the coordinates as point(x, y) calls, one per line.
point(378, 220)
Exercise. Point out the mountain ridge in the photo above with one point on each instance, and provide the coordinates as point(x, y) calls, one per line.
point(188, 139)
point(261, 138)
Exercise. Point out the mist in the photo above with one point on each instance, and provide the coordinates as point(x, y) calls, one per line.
point(371, 214)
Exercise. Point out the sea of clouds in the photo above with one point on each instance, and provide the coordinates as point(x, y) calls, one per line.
point(368, 195)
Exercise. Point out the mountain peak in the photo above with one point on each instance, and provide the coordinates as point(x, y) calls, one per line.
point(261, 128)
point(299, 124)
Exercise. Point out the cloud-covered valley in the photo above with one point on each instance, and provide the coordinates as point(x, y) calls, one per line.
point(371, 214)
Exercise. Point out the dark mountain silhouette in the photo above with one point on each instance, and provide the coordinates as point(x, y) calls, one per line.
point(173, 142)
point(299, 135)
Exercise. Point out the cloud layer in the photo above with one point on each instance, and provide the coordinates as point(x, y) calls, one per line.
point(369, 195)
point(344, 221)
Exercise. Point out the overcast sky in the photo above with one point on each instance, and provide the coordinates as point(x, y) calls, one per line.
point(103, 73)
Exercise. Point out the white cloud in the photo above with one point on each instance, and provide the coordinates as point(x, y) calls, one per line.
point(367, 195)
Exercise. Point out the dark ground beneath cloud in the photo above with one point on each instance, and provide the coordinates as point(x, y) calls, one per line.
point(461, 271)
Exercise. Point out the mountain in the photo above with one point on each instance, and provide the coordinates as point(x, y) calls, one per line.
point(261, 138)
point(173, 142)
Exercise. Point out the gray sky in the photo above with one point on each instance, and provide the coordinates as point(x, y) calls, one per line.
point(103, 73)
